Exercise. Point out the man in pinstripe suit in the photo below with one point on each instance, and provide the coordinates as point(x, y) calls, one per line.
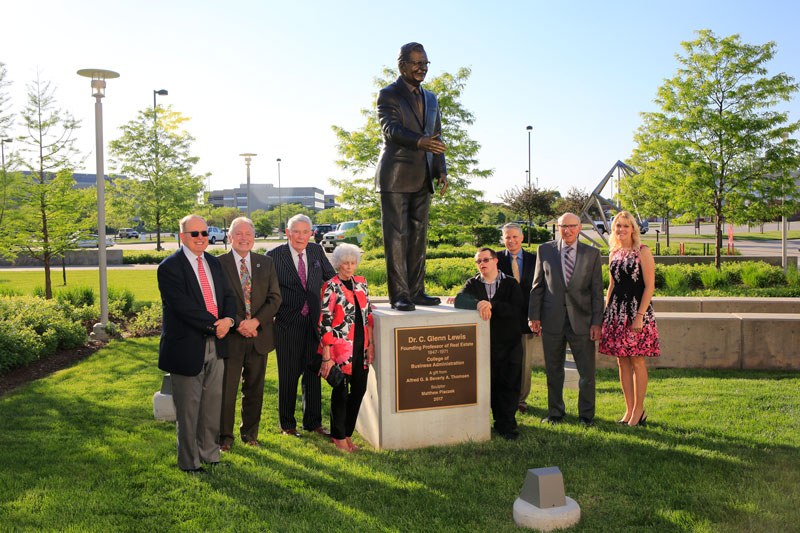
point(302, 269)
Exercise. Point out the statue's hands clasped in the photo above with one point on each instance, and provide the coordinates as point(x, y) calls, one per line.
point(432, 144)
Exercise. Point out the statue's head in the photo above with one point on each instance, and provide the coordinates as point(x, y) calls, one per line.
point(412, 62)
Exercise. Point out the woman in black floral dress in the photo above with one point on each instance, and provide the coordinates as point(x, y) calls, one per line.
point(629, 327)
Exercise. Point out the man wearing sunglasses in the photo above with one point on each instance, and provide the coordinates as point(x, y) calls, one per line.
point(411, 158)
point(198, 311)
point(498, 298)
point(566, 306)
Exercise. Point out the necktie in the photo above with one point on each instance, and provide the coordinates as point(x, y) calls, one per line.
point(207, 296)
point(244, 274)
point(515, 268)
point(301, 270)
point(418, 98)
point(569, 264)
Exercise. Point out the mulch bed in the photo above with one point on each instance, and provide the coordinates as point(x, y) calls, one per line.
point(44, 367)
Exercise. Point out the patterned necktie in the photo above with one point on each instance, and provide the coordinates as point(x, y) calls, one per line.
point(244, 274)
point(515, 268)
point(569, 264)
point(207, 296)
point(301, 270)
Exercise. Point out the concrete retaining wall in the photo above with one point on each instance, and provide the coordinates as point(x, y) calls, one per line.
point(73, 258)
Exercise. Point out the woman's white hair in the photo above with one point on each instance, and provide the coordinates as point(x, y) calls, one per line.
point(344, 253)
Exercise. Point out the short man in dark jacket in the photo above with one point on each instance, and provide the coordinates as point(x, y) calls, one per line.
point(498, 298)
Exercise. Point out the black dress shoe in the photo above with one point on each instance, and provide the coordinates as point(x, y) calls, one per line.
point(586, 421)
point(198, 470)
point(403, 304)
point(511, 435)
point(551, 420)
point(424, 299)
point(217, 463)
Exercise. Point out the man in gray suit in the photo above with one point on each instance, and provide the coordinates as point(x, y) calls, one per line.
point(566, 306)
point(255, 287)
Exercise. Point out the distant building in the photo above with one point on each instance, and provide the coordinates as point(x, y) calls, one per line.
point(82, 181)
point(330, 201)
point(266, 196)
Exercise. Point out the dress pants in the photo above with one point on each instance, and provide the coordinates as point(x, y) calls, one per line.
point(198, 401)
point(295, 354)
point(405, 239)
point(247, 366)
point(344, 406)
point(527, 366)
point(506, 366)
point(555, 353)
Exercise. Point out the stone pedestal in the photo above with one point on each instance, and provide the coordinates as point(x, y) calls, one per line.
point(542, 504)
point(423, 336)
point(163, 405)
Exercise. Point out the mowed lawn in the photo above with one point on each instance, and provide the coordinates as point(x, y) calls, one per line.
point(80, 451)
point(142, 282)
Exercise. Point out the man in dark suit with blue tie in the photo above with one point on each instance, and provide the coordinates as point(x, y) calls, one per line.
point(411, 158)
point(198, 310)
point(302, 268)
point(520, 265)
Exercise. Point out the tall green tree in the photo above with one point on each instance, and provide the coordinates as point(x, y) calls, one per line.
point(535, 205)
point(154, 152)
point(718, 124)
point(50, 214)
point(359, 151)
point(7, 176)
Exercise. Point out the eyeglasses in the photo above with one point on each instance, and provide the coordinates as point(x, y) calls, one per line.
point(204, 233)
point(418, 64)
point(568, 226)
point(484, 260)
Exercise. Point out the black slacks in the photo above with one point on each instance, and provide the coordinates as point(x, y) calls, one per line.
point(405, 240)
point(506, 366)
point(295, 351)
point(344, 405)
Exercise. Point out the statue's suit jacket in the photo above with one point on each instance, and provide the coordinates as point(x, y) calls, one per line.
point(186, 322)
point(402, 167)
point(552, 301)
point(265, 298)
point(525, 279)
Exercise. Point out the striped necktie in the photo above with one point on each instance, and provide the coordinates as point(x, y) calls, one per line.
point(207, 296)
point(244, 274)
point(301, 270)
point(569, 264)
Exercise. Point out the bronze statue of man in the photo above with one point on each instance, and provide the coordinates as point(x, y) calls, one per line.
point(411, 158)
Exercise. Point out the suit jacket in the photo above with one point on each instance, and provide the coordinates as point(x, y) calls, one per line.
point(582, 300)
point(265, 298)
point(525, 279)
point(292, 292)
point(506, 306)
point(186, 321)
point(402, 167)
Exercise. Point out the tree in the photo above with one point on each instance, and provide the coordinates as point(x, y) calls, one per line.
point(334, 215)
point(718, 125)
point(360, 150)
point(535, 205)
point(155, 154)
point(50, 215)
point(267, 221)
point(7, 178)
point(573, 202)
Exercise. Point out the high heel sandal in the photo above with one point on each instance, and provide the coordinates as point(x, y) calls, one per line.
point(642, 420)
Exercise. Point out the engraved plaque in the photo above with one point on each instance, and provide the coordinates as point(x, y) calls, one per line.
point(436, 367)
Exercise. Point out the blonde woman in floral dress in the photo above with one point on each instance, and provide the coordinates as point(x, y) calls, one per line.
point(629, 327)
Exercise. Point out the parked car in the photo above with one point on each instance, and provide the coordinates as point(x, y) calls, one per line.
point(321, 229)
point(215, 234)
point(342, 234)
point(91, 241)
point(127, 233)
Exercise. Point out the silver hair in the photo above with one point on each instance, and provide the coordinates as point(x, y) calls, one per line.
point(241, 220)
point(509, 227)
point(298, 218)
point(344, 253)
point(187, 218)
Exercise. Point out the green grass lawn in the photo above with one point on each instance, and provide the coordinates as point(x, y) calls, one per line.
point(80, 451)
point(143, 282)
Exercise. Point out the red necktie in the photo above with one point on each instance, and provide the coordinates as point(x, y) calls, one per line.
point(207, 296)
point(301, 270)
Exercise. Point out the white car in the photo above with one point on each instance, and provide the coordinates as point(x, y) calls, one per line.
point(332, 239)
point(215, 234)
point(91, 241)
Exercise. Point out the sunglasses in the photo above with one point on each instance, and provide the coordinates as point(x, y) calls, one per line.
point(204, 233)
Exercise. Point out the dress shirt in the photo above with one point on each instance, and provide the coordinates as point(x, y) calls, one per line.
point(296, 258)
point(491, 286)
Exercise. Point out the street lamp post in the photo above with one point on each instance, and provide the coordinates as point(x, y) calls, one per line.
point(784, 260)
point(99, 77)
point(280, 199)
point(530, 129)
point(160, 92)
point(3, 152)
point(247, 158)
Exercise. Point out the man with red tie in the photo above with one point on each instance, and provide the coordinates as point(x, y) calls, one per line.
point(198, 310)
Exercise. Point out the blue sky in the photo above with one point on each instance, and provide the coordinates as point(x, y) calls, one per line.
point(272, 77)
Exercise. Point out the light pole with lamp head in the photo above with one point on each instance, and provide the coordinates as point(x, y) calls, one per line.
point(160, 92)
point(247, 158)
point(530, 129)
point(99, 77)
point(280, 200)
point(784, 260)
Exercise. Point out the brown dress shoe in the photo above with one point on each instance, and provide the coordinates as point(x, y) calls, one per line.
point(225, 448)
point(522, 407)
point(322, 431)
point(254, 443)
point(292, 432)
